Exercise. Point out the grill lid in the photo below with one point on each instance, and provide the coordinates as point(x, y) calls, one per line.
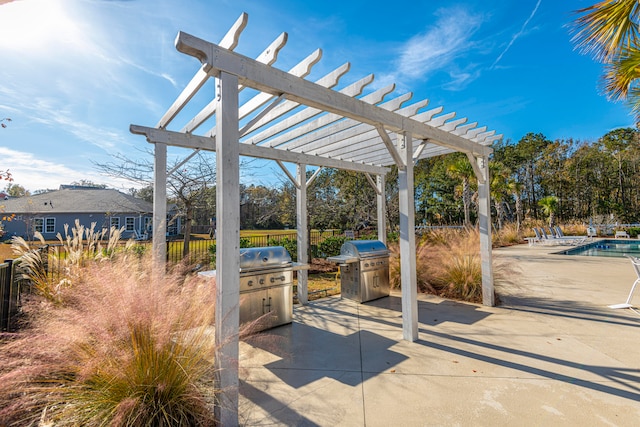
point(264, 258)
point(364, 248)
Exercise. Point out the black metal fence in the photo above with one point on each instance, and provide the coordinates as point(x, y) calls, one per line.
point(12, 287)
point(201, 252)
point(8, 292)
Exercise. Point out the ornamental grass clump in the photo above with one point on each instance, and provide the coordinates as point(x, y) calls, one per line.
point(448, 265)
point(506, 236)
point(49, 269)
point(122, 345)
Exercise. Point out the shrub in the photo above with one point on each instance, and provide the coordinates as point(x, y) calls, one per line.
point(634, 231)
point(244, 243)
point(331, 246)
point(290, 244)
point(123, 346)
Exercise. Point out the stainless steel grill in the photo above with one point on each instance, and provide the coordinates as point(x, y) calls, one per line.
point(364, 270)
point(266, 287)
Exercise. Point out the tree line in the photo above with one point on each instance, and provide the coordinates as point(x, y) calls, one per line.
point(576, 181)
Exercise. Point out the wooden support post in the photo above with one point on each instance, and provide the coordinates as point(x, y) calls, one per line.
point(407, 240)
point(484, 220)
point(382, 209)
point(302, 234)
point(159, 234)
point(227, 316)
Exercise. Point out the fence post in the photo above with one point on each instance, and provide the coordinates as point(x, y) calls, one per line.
point(5, 286)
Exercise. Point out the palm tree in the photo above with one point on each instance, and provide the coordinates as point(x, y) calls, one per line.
point(609, 31)
point(499, 186)
point(549, 207)
point(514, 187)
point(461, 169)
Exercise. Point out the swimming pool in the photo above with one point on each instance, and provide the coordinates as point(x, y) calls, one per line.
point(606, 247)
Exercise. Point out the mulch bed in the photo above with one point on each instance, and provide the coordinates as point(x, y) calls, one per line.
point(321, 265)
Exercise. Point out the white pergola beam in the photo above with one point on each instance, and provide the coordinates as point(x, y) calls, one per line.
point(276, 82)
point(302, 69)
point(159, 231)
point(227, 310)
point(268, 56)
point(178, 139)
point(302, 235)
point(439, 120)
point(198, 80)
point(354, 89)
point(325, 125)
point(360, 137)
point(408, 278)
point(381, 199)
point(451, 125)
point(229, 41)
point(484, 223)
point(328, 81)
point(345, 130)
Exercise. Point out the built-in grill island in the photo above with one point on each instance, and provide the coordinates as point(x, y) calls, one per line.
point(364, 270)
point(266, 287)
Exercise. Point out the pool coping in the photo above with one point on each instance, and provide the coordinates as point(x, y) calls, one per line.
point(596, 241)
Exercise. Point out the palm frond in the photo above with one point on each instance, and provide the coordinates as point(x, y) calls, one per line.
point(620, 75)
point(606, 28)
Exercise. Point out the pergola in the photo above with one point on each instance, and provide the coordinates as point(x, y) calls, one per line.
point(294, 120)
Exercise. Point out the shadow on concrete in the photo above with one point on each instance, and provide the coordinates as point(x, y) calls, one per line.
point(568, 309)
point(276, 409)
point(318, 353)
point(628, 378)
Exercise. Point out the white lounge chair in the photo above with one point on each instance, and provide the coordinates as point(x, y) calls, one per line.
point(627, 304)
point(577, 239)
point(620, 234)
point(561, 240)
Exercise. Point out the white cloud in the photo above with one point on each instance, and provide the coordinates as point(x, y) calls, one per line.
point(436, 48)
point(459, 80)
point(34, 173)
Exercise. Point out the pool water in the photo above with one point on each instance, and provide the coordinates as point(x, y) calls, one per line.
point(607, 247)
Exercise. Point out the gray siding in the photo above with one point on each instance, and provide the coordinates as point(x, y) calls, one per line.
point(52, 224)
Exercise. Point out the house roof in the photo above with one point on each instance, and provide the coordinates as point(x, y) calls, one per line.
point(82, 200)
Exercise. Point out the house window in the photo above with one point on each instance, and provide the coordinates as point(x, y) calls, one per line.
point(38, 224)
point(129, 223)
point(50, 225)
point(115, 222)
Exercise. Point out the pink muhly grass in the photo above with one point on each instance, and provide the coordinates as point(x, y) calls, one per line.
point(123, 345)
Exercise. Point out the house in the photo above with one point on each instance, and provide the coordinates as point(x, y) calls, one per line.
point(49, 212)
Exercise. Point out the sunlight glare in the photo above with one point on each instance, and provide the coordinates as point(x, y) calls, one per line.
point(33, 26)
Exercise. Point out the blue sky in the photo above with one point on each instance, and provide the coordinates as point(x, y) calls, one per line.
point(74, 74)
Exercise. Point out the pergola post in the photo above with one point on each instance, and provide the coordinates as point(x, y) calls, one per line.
point(407, 239)
point(382, 208)
point(159, 234)
point(301, 227)
point(227, 315)
point(484, 221)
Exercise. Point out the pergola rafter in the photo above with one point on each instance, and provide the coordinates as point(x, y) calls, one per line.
point(291, 119)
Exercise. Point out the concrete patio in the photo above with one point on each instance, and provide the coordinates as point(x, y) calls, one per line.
point(552, 353)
